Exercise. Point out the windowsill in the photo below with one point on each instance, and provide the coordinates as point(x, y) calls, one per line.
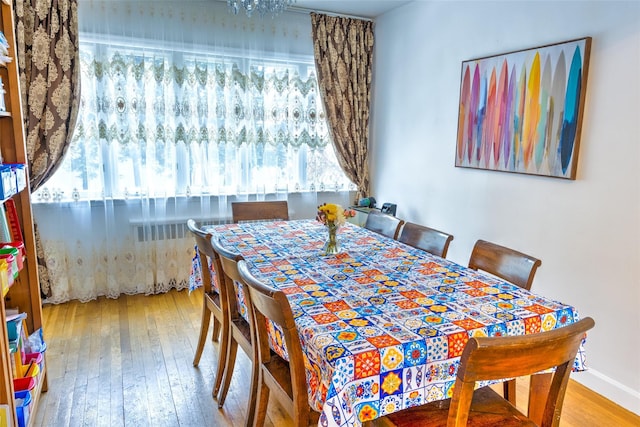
point(230, 198)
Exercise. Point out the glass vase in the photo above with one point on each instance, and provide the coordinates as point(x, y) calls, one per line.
point(331, 246)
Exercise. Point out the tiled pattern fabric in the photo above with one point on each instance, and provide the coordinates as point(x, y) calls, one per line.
point(383, 324)
point(195, 278)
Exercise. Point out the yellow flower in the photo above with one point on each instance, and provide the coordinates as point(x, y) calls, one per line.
point(332, 214)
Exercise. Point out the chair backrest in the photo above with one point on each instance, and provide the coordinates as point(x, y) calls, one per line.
point(492, 358)
point(229, 267)
point(270, 303)
point(387, 225)
point(255, 211)
point(203, 242)
point(508, 264)
point(425, 238)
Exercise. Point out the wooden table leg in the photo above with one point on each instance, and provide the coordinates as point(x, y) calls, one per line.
point(538, 391)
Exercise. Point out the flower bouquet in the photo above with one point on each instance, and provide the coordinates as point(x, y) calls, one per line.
point(333, 216)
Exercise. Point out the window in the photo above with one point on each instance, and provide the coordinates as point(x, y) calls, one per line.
point(162, 122)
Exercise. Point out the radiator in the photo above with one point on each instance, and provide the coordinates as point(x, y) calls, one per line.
point(173, 229)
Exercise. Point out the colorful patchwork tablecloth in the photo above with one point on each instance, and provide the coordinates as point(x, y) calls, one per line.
point(383, 324)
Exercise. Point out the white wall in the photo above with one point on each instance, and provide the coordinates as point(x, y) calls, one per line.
point(587, 231)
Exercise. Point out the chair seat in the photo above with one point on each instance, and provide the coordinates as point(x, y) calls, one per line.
point(280, 372)
point(214, 298)
point(488, 409)
point(244, 335)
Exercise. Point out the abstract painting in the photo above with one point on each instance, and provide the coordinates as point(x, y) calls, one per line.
point(522, 111)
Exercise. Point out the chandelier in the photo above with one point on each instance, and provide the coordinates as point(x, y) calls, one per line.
point(263, 7)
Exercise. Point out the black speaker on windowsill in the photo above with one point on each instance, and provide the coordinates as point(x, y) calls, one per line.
point(389, 208)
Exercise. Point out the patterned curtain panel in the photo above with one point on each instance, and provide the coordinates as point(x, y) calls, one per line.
point(47, 39)
point(343, 49)
point(47, 52)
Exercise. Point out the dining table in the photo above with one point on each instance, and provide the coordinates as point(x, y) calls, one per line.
point(382, 324)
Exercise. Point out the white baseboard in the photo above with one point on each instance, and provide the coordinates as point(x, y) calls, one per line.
point(610, 388)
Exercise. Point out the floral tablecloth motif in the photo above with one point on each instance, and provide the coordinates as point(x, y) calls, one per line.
point(383, 324)
point(195, 278)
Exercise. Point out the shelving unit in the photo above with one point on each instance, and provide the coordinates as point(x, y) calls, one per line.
point(24, 294)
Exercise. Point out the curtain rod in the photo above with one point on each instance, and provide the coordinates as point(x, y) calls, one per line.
point(298, 9)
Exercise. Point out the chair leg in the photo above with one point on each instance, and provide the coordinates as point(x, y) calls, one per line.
point(253, 397)
point(263, 400)
point(223, 349)
point(509, 388)
point(228, 369)
point(204, 329)
point(216, 329)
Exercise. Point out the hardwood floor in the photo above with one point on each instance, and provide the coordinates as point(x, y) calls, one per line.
point(128, 362)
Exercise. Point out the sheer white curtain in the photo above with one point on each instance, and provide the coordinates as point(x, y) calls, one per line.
point(184, 109)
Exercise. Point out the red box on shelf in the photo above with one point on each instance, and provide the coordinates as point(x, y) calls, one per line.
point(13, 220)
point(25, 383)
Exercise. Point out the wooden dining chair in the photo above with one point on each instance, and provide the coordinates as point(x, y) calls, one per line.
point(213, 305)
point(425, 238)
point(387, 225)
point(239, 329)
point(494, 358)
point(265, 210)
point(284, 380)
point(510, 265)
